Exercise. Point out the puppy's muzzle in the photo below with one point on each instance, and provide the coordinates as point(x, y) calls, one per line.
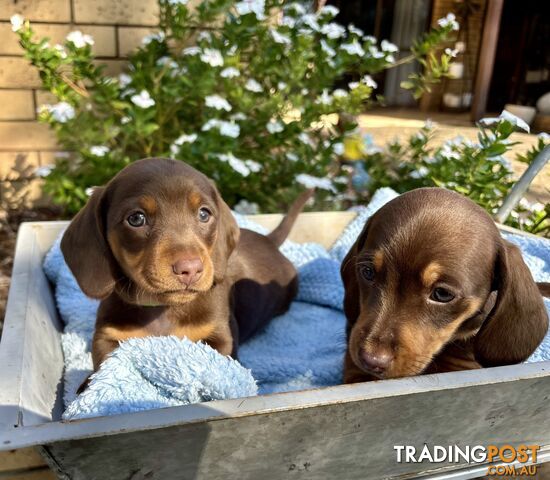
point(375, 362)
point(188, 270)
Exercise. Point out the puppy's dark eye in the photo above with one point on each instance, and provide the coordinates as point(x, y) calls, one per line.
point(137, 219)
point(204, 215)
point(367, 272)
point(441, 295)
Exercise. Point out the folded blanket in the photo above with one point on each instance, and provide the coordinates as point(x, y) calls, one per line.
point(301, 349)
point(155, 372)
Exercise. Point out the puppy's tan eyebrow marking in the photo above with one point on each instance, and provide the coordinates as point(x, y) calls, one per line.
point(431, 273)
point(148, 203)
point(195, 200)
point(378, 259)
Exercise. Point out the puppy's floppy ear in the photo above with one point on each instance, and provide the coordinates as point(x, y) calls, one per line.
point(227, 238)
point(348, 271)
point(86, 250)
point(518, 322)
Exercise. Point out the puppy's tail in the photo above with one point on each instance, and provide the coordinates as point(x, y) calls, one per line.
point(544, 289)
point(282, 230)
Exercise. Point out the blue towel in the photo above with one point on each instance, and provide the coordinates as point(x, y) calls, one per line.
point(301, 349)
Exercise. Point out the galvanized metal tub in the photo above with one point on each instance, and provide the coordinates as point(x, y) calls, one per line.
point(346, 431)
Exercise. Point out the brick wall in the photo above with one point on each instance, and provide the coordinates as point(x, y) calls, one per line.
point(116, 26)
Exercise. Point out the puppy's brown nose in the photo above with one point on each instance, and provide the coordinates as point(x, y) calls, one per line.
point(188, 270)
point(376, 362)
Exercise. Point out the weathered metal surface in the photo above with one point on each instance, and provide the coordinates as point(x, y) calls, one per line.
point(353, 438)
point(346, 431)
point(30, 352)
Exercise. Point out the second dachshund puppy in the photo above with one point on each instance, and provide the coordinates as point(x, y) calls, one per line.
point(161, 249)
point(431, 286)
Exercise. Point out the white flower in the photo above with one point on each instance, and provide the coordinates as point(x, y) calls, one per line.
point(333, 30)
point(257, 7)
point(191, 51)
point(447, 151)
point(340, 93)
point(450, 19)
point(204, 36)
point(230, 72)
point(353, 85)
point(327, 49)
point(298, 8)
point(452, 53)
point(217, 102)
point(544, 136)
point(390, 59)
point(329, 10)
point(305, 139)
point(279, 37)
point(213, 57)
point(17, 21)
point(61, 112)
point(61, 50)
point(274, 126)
point(420, 173)
point(244, 207)
point(369, 38)
point(178, 2)
point(304, 91)
point(143, 99)
point(429, 124)
point(254, 167)
point(503, 161)
point(79, 40)
point(288, 22)
point(164, 61)
point(505, 115)
point(228, 129)
point(159, 37)
point(388, 46)
point(124, 80)
point(178, 142)
point(183, 138)
point(282, 85)
point(373, 50)
point(89, 191)
point(357, 31)
point(353, 48)
point(253, 86)
point(238, 116)
point(324, 98)
point(99, 150)
point(292, 157)
point(244, 167)
point(338, 148)
point(43, 171)
point(309, 181)
point(310, 20)
point(124, 120)
point(369, 82)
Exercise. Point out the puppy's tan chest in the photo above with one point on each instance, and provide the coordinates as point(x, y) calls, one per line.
point(162, 327)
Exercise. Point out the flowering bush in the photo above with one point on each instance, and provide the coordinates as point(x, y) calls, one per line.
point(243, 91)
point(478, 170)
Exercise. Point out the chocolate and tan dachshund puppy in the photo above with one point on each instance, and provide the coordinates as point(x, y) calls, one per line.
point(162, 251)
point(431, 286)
